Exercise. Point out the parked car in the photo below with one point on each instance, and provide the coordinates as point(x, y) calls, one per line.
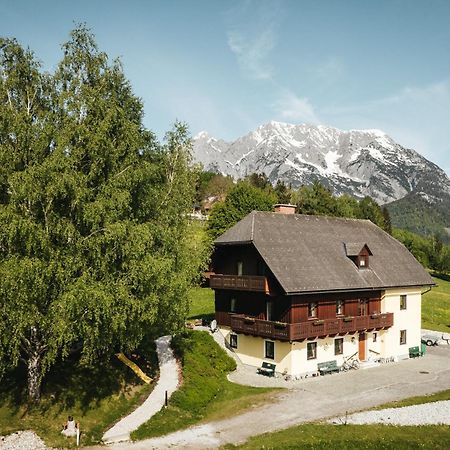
point(430, 339)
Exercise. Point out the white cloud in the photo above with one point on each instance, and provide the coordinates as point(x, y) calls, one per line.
point(252, 36)
point(293, 108)
point(329, 71)
point(251, 52)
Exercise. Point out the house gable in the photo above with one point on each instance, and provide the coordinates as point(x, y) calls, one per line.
point(306, 253)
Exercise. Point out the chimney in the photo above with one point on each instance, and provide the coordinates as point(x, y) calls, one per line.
point(284, 208)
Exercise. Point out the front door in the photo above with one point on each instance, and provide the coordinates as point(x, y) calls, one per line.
point(362, 346)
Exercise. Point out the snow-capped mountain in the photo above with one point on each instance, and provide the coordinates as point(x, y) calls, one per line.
point(357, 162)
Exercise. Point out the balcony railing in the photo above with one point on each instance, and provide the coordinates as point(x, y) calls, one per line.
point(239, 282)
point(304, 330)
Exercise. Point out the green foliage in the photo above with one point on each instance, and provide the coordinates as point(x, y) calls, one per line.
point(283, 192)
point(319, 200)
point(210, 184)
point(430, 252)
point(94, 239)
point(241, 200)
point(205, 393)
point(416, 214)
point(96, 396)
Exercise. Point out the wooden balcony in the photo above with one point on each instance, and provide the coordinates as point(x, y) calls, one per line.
point(253, 283)
point(304, 330)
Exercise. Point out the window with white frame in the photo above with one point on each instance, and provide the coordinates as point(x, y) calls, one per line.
point(339, 307)
point(312, 309)
point(233, 305)
point(269, 349)
point(402, 301)
point(339, 346)
point(240, 268)
point(311, 350)
point(233, 340)
point(402, 337)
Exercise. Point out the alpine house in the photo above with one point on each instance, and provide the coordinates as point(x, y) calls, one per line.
point(297, 291)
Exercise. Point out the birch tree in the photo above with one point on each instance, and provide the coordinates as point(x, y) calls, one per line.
point(93, 230)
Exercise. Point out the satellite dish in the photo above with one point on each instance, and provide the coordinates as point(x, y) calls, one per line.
point(213, 326)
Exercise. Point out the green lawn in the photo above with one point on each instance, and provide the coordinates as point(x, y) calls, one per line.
point(96, 397)
point(374, 437)
point(325, 436)
point(205, 394)
point(202, 303)
point(436, 305)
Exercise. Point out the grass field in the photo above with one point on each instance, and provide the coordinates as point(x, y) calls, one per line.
point(96, 397)
point(202, 303)
point(325, 436)
point(373, 437)
point(205, 394)
point(436, 305)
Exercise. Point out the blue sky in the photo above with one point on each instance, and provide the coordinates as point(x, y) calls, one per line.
point(229, 66)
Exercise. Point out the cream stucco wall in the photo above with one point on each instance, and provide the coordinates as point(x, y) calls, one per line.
point(408, 319)
point(292, 358)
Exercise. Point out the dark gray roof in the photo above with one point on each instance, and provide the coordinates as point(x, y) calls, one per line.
point(308, 253)
point(354, 248)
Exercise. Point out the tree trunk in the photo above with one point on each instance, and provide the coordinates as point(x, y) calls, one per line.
point(34, 377)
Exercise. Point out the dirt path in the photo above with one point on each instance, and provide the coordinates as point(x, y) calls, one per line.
point(314, 399)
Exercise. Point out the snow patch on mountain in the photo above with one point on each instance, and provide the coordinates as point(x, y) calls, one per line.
point(356, 162)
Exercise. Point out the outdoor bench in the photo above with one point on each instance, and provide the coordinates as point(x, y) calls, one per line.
point(414, 352)
point(327, 367)
point(267, 369)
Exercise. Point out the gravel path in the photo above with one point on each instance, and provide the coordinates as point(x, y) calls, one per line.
point(317, 399)
point(436, 413)
point(167, 382)
point(22, 440)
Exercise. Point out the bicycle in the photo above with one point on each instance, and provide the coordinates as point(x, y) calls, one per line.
point(350, 363)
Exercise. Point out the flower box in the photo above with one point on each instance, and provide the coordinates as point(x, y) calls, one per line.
point(318, 322)
point(280, 324)
point(348, 319)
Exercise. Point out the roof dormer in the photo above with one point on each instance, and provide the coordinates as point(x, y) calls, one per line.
point(359, 253)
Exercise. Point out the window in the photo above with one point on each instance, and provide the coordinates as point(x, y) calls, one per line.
point(311, 349)
point(233, 305)
point(269, 349)
point(269, 310)
point(374, 335)
point(362, 262)
point(240, 266)
point(339, 346)
point(233, 340)
point(312, 309)
point(339, 307)
point(363, 303)
point(402, 337)
point(402, 301)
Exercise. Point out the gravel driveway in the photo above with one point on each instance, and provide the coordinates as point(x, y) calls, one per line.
point(317, 399)
point(435, 413)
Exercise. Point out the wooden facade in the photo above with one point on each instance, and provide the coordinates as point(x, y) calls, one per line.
point(249, 300)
